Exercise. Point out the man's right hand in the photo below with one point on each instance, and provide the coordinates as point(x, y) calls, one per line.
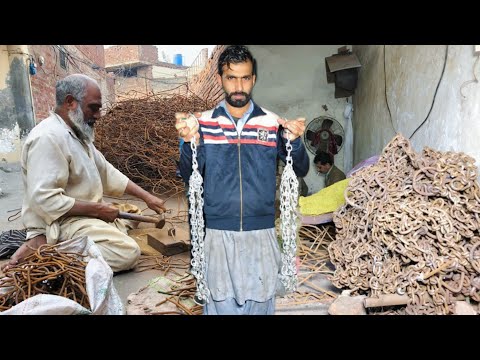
point(106, 212)
point(101, 210)
point(187, 126)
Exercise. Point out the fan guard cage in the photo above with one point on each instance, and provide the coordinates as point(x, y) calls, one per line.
point(324, 134)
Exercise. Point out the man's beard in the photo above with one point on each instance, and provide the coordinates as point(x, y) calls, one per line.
point(238, 103)
point(80, 127)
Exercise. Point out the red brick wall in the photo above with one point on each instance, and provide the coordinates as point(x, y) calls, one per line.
point(122, 54)
point(205, 84)
point(81, 59)
point(149, 53)
point(95, 53)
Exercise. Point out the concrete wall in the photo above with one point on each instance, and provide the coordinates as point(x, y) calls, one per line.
point(26, 99)
point(291, 82)
point(170, 86)
point(16, 112)
point(412, 74)
point(134, 87)
point(169, 72)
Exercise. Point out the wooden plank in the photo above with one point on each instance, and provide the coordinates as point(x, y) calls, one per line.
point(169, 242)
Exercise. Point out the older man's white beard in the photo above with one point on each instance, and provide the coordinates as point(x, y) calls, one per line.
point(80, 127)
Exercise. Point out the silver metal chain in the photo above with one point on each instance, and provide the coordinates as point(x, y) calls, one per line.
point(197, 229)
point(288, 218)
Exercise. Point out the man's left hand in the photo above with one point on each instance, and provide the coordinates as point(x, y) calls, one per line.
point(293, 128)
point(156, 204)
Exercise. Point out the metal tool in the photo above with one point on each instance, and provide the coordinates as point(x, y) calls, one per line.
point(159, 222)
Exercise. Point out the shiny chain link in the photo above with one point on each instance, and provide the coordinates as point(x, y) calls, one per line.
point(288, 217)
point(197, 229)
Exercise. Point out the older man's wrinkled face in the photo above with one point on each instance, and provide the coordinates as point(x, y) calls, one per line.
point(87, 113)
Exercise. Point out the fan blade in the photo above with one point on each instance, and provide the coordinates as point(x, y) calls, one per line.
point(327, 124)
point(310, 135)
point(338, 140)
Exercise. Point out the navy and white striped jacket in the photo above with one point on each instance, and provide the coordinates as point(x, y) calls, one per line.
point(239, 170)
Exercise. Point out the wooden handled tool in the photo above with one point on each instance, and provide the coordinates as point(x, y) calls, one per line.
point(160, 223)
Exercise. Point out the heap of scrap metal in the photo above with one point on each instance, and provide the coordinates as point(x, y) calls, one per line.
point(46, 271)
point(410, 226)
point(138, 137)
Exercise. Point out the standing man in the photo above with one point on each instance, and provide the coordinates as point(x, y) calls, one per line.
point(239, 143)
point(324, 164)
point(65, 178)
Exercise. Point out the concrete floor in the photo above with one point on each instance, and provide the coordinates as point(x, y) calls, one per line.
point(129, 282)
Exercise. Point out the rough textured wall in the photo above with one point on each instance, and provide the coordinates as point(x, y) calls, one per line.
point(170, 86)
point(16, 113)
point(8, 119)
point(412, 75)
point(135, 86)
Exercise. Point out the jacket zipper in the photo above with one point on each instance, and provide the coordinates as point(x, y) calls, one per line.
point(241, 192)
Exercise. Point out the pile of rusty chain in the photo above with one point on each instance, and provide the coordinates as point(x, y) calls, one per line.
point(139, 138)
point(46, 271)
point(410, 225)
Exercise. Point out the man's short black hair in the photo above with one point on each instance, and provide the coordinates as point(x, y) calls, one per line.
point(235, 54)
point(323, 158)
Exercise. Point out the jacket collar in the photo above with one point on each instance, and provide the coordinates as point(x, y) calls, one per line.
point(220, 110)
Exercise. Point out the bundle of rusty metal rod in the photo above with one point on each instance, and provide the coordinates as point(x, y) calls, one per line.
point(185, 289)
point(411, 225)
point(161, 262)
point(46, 271)
point(313, 256)
point(139, 138)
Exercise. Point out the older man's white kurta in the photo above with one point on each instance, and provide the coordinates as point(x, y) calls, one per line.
point(57, 169)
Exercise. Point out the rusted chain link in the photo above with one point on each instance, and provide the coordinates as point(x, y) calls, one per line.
point(410, 225)
point(46, 271)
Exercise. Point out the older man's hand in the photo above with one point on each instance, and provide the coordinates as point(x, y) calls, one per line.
point(156, 204)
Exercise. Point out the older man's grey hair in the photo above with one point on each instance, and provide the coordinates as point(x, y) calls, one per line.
point(75, 85)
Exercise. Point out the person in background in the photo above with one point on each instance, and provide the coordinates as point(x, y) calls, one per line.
point(238, 146)
point(324, 163)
